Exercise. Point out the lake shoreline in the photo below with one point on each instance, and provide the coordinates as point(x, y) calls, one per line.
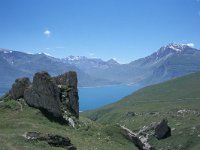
point(110, 85)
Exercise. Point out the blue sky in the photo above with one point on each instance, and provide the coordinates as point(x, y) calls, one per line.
point(121, 29)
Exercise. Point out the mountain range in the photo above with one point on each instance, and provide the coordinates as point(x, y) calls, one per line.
point(170, 61)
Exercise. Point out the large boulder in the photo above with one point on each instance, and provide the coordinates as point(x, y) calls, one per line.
point(140, 141)
point(18, 88)
point(69, 80)
point(162, 130)
point(44, 94)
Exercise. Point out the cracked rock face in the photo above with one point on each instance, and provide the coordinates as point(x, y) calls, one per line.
point(44, 94)
point(70, 81)
point(57, 97)
point(18, 88)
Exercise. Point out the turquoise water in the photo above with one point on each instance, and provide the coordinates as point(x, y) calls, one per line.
point(94, 97)
point(91, 98)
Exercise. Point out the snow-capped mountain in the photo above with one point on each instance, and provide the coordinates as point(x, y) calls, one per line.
point(87, 64)
point(172, 49)
point(171, 61)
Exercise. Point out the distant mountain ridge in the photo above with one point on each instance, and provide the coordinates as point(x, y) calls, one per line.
point(15, 64)
point(170, 61)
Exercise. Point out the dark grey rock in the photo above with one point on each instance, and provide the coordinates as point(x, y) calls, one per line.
point(69, 79)
point(130, 114)
point(56, 97)
point(18, 88)
point(162, 130)
point(44, 94)
point(53, 140)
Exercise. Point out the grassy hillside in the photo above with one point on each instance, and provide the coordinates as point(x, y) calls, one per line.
point(16, 119)
point(177, 100)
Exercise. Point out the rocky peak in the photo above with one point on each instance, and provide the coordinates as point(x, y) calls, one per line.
point(176, 47)
point(170, 50)
point(112, 62)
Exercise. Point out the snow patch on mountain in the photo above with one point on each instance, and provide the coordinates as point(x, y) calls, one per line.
point(75, 58)
point(178, 47)
point(5, 51)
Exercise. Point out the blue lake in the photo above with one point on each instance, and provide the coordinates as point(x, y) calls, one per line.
point(94, 97)
point(91, 98)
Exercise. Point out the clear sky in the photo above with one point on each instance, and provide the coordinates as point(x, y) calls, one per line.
point(121, 29)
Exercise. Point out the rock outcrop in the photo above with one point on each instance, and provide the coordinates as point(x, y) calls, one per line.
point(53, 140)
point(18, 88)
point(162, 130)
point(57, 96)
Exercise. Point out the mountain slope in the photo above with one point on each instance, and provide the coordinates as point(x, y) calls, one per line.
point(8, 74)
point(178, 59)
point(177, 100)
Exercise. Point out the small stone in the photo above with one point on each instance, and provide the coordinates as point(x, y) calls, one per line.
point(173, 129)
point(130, 114)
